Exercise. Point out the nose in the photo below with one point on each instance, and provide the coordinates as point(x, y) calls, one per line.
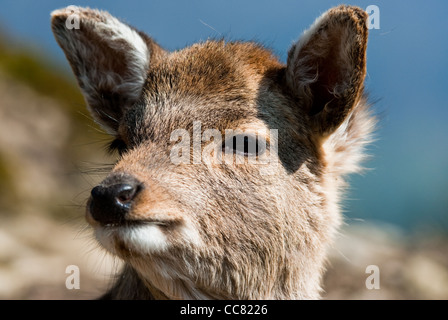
point(109, 203)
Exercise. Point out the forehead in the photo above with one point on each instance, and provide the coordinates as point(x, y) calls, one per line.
point(212, 68)
point(216, 83)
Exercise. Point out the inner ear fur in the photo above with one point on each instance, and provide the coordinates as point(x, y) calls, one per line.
point(326, 67)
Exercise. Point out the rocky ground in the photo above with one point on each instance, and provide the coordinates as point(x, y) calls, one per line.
point(42, 229)
point(40, 199)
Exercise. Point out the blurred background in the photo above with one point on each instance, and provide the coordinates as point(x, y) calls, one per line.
point(52, 153)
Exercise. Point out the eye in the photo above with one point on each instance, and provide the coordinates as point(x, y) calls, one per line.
point(118, 145)
point(245, 145)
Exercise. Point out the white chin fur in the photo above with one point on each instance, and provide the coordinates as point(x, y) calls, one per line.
point(143, 239)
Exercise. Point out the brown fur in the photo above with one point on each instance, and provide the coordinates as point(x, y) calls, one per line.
point(227, 231)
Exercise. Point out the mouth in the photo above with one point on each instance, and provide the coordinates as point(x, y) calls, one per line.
point(138, 223)
point(133, 238)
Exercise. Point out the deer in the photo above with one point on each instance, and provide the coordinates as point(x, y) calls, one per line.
point(210, 229)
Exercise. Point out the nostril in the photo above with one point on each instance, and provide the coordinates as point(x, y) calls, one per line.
point(126, 193)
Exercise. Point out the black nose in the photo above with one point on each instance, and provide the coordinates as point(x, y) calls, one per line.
point(111, 203)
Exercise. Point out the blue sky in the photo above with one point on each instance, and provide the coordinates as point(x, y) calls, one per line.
point(407, 67)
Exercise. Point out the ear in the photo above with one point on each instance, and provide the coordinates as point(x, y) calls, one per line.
point(326, 67)
point(109, 59)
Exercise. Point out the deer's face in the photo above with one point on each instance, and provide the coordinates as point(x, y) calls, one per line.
point(219, 182)
point(200, 178)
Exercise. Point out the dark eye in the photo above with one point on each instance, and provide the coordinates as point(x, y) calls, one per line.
point(245, 145)
point(118, 145)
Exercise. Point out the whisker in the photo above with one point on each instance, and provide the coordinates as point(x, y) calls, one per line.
point(107, 115)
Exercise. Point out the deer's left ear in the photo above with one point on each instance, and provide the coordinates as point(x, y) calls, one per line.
point(326, 67)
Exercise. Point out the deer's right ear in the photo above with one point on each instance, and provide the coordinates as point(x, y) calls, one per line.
point(109, 59)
